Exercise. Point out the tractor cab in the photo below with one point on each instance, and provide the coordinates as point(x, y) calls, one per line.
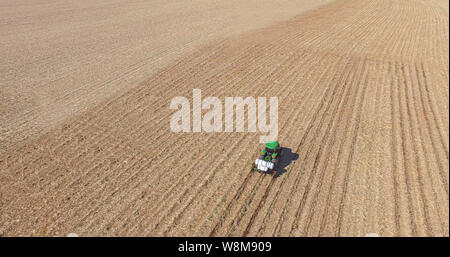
point(270, 151)
point(272, 146)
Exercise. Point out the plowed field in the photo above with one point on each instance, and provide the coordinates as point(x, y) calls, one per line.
point(362, 87)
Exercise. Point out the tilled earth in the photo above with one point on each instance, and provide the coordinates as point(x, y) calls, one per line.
point(362, 89)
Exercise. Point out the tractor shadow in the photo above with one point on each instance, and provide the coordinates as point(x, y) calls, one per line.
point(286, 159)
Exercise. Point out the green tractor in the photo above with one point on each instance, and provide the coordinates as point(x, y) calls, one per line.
point(269, 158)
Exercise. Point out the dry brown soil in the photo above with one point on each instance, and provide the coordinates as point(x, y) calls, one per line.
point(363, 91)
